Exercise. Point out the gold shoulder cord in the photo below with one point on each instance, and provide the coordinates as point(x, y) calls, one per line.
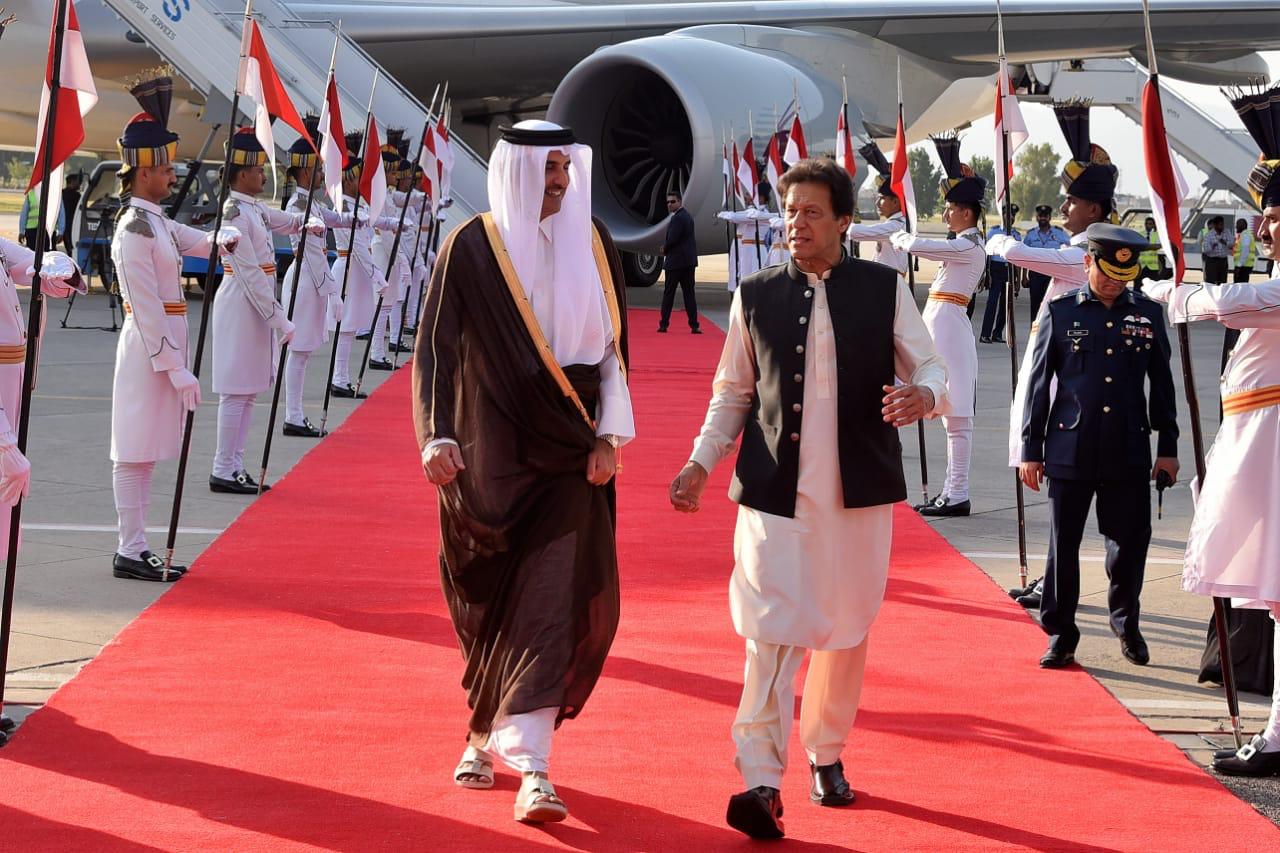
point(530, 319)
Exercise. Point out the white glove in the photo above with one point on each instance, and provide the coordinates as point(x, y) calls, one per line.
point(15, 471)
point(187, 386)
point(56, 270)
point(316, 227)
point(902, 239)
point(386, 223)
point(362, 217)
point(335, 308)
point(283, 326)
point(228, 238)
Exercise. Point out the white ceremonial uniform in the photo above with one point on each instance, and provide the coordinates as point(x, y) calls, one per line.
point(14, 261)
point(395, 270)
point(1065, 268)
point(1233, 546)
point(815, 581)
point(879, 233)
point(315, 280)
point(365, 281)
point(962, 262)
point(750, 227)
point(778, 251)
point(245, 309)
point(147, 414)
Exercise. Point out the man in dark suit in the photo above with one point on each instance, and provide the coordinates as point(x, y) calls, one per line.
point(1093, 437)
point(680, 259)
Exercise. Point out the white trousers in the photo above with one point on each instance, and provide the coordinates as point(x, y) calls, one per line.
point(959, 449)
point(295, 378)
point(521, 741)
point(828, 708)
point(342, 363)
point(386, 323)
point(1272, 732)
point(235, 413)
point(131, 482)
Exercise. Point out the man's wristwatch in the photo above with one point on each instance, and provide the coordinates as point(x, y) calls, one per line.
point(613, 440)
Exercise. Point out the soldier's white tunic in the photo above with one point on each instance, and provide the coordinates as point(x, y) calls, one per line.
point(879, 233)
point(1233, 547)
point(365, 281)
point(146, 411)
point(963, 260)
point(778, 251)
point(245, 310)
point(396, 270)
point(750, 227)
point(816, 580)
point(1065, 268)
point(315, 280)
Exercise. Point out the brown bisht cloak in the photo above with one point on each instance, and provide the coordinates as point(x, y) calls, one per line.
point(527, 553)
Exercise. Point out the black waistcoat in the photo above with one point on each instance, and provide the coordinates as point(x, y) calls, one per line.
point(777, 305)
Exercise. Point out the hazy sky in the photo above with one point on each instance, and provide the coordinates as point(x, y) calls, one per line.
point(1119, 135)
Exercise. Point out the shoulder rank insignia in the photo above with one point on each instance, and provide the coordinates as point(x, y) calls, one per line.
point(137, 223)
point(232, 210)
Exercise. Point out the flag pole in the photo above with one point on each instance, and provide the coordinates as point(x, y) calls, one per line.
point(35, 323)
point(346, 271)
point(299, 257)
point(725, 186)
point(436, 201)
point(417, 238)
point(224, 190)
point(911, 285)
point(1221, 628)
point(737, 251)
point(755, 191)
point(1010, 291)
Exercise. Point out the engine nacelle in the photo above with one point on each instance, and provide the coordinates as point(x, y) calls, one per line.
point(657, 110)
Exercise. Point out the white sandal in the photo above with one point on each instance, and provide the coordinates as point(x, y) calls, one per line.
point(537, 802)
point(476, 765)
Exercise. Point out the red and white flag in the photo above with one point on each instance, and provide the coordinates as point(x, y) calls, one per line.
point(260, 83)
point(76, 96)
point(1167, 185)
point(748, 178)
point(444, 152)
point(1008, 121)
point(726, 170)
point(900, 174)
point(773, 166)
point(333, 142)
point(430, 164)
point(796, 148)
point(373, 180)
point(844, 146)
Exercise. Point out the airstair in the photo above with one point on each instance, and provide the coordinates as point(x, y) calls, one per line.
point(1223, 153)
point(201, 39)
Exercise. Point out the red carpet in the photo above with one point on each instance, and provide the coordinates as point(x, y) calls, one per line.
point(300, 690)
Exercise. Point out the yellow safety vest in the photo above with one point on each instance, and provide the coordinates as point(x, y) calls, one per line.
point(1150, 259)
point(33, 210)
point(1247, 260)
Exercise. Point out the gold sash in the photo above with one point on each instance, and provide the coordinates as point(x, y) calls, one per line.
point(13, 354)
point(1248, 401)
point(531, 320)
point(953, 298)
point(173, 309)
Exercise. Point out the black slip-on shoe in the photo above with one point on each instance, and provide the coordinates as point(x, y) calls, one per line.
point(757, 813)
point(1249, 760)
point(1134, 648)
point(829, 787)
point(1057, 658)
point(306, 429)
point(148, 568)
point(378, 364)
point(944, 508)
point(349, 391)
point(7, 724)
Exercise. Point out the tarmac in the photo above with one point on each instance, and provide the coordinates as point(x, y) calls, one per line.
point(68, 605)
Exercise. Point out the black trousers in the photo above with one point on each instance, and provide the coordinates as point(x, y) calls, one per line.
point(1215, 270)
point(993, 316)
point(685, 279)
point(1124, 520)
point(1241, 275)
point(1037, 285)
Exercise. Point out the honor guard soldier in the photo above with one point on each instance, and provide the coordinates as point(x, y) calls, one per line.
point(395, 269)
point(748, 252)
point(249, 324)
point(152, 389)
point(1232, 547)
point(365, 282)
point(318, 302)
point(962, 263)
point(889, 206)
point(1093, 438)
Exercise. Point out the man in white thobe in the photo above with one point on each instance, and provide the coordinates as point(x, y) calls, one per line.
point(807, 379)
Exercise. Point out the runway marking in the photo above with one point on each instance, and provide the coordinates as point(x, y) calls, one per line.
point(1084, 558)
point(1192, 705)
point(111, 528)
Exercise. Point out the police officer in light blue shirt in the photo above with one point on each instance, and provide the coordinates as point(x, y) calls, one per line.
point(997, 283)
point(1044, 236)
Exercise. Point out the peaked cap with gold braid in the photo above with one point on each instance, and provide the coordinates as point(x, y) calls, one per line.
point(1260, 112)
point(1089, 174)
point(147, 140)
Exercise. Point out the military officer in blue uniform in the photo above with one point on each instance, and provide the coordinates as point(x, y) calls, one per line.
point(1094, 437)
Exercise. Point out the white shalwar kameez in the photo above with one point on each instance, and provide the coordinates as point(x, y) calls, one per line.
point(879, 233)
point(749, 251)
point(815, 581)
point(1065, 268)
point(962, 262)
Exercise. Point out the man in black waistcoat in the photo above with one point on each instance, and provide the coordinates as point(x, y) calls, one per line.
point(1093, 437)
point(680, 260)
point(807, 379)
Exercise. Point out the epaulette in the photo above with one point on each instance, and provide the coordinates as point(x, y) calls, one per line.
point(232, 210)
point(1069, 294)
point(136, 222)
